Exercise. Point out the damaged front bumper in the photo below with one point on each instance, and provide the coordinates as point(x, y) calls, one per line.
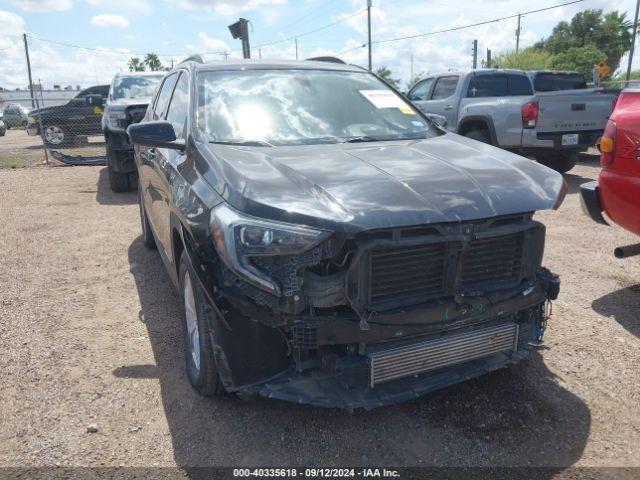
point(361, 338)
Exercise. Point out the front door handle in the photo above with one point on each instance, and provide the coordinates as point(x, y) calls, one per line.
point(448, 107)
point(152, 153)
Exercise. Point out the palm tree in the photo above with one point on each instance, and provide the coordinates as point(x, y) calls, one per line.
point(135, 65)
point(153, 62)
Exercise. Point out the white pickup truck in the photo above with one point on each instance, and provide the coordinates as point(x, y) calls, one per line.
point(500, 107)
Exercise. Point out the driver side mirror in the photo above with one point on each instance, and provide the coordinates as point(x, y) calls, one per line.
point(94, 100)
point(159, 134)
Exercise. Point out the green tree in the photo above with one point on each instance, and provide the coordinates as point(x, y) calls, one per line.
point(135, 65)
point(608, 34)
point(153, 62)
point(530, 58)
point(580, 59)
point(384, 73)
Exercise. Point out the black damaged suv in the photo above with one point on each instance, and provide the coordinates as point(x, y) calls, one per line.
point(330, 244)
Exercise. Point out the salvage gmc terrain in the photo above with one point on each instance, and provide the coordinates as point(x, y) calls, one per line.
point(330, 244)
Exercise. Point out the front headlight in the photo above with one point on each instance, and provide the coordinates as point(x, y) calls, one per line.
point(239, 237)
point(114, 118)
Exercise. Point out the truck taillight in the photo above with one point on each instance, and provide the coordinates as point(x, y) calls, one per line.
point(607, 144)
point(529, 114)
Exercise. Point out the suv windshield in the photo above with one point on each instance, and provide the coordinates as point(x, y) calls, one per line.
point(288, 107)
point(551, 82)
point(135, 87)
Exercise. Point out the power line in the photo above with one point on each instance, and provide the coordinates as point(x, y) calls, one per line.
point(475, 24)
point(117, 51)
point(288, 39)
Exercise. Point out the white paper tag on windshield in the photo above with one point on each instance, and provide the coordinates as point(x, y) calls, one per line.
point(384, 99)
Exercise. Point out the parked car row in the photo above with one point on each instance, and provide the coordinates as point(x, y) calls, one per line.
point(336, 243)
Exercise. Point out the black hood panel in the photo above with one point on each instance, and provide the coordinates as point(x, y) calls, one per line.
point(384, 184)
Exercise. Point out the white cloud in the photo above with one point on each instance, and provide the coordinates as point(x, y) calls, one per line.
point(109, 20)
point(43, 5)
point(11, 24)
point(133, 6)
point(226, 7)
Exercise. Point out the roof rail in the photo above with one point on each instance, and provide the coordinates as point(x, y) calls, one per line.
point(194, 58)
point(326, 59)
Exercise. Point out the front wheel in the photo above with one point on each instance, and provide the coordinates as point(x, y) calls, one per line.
point(198, 318)
point(55, 136)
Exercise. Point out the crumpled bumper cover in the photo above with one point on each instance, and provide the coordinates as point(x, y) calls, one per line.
point(325, 389)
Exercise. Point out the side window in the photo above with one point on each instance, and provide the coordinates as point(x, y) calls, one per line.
point(421, 90)
point(519, 85)
point(445, 87)
point(164, 95)
point(179, 106)
point(487, 86)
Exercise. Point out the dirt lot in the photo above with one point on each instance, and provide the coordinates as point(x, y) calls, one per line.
point(90, 334)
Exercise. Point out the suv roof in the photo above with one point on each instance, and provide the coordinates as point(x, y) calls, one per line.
point(250, 64)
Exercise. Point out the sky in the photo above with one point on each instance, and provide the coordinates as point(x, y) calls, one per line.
point(111, 31)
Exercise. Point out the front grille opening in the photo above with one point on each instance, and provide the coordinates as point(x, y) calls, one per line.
point(492, 260)
point(407, 275)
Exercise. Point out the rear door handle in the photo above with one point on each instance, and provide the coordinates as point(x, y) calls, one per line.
point(448, 107)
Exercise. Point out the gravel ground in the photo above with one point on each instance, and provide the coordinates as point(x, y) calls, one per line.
point(91, 340)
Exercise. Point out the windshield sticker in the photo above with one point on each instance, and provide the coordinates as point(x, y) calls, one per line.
point(407, 110)
point(384, 99)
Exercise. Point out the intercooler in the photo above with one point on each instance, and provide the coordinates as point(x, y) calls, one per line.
point(422, 357)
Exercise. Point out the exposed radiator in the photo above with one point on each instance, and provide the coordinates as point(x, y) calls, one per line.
point(422, 357)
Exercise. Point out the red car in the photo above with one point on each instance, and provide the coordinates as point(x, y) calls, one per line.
point(617, 192)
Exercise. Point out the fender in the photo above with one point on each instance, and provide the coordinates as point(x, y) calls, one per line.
point(481, 118)
point(247, 352)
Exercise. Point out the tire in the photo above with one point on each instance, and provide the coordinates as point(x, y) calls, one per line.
point(481, 135)
point(560, 162)
point(119, 182)
point(197, 316)
point(148, 238)
point(55, 135)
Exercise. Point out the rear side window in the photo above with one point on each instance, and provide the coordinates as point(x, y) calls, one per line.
point(179, 106)
point(487, 86)
point(519, 85)
point(164, 95)
point(552, 82)
point(445, 87)
point(421, 90)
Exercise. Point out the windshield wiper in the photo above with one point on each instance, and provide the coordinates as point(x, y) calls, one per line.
point(362, 138)
point(245, 143)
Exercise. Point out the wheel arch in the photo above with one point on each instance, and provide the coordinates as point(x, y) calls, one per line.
point(477, 122)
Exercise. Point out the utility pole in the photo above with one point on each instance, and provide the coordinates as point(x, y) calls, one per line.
point(488, 58)
point(296, 40)
point(411, 78)
point(26, 51)
point(518, 34)
point(260, 53)
point(633, 42)
point(369, 31)
point(474, 64)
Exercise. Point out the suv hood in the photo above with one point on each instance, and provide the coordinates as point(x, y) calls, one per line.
point(126, 102)
point(383, 184)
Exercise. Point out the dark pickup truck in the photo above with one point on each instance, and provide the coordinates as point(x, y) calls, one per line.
point(62, 123)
